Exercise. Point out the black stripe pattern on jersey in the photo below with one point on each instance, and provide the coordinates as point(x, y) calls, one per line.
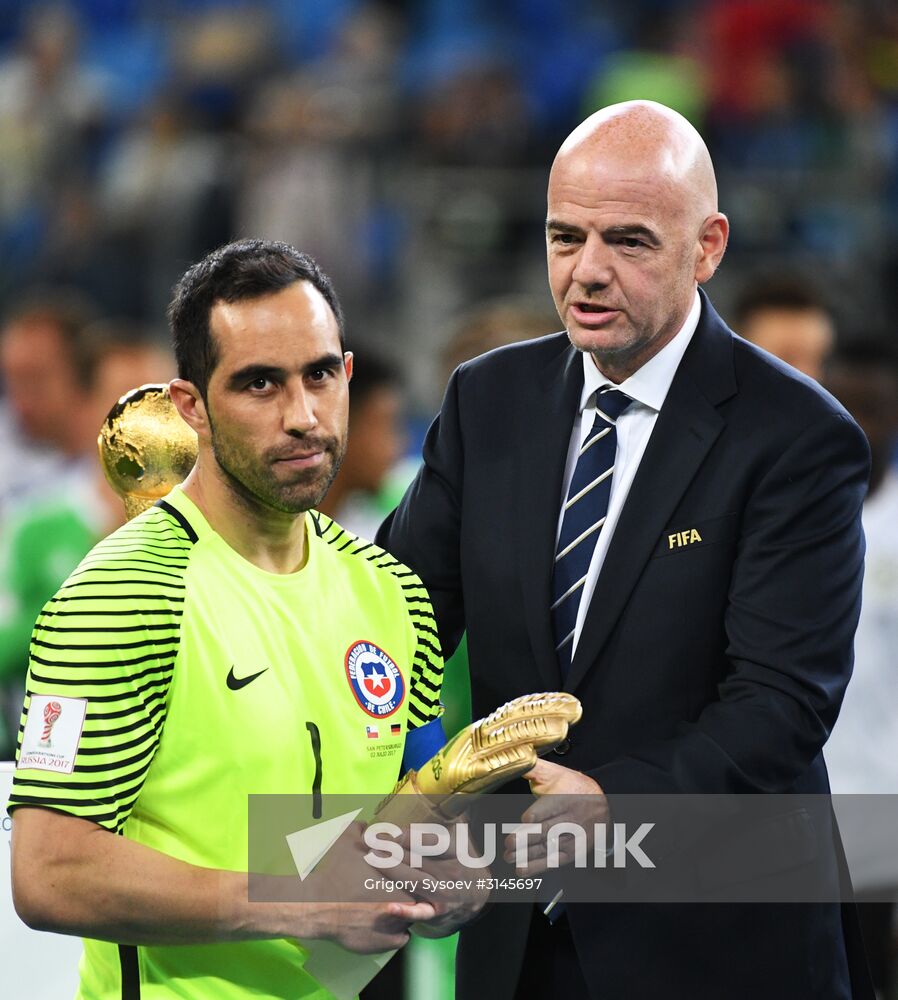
point(110, 635)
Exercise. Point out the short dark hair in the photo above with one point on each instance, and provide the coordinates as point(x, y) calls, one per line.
point(777, 292)
point(246, 269)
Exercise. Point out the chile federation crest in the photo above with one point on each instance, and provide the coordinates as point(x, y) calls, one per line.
point(375, 679)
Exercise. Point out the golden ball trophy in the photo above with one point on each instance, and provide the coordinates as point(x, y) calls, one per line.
point(146, 449)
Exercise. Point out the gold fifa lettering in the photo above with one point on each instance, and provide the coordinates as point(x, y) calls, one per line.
point(681, 538)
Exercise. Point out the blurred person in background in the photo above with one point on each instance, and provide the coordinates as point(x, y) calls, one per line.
point(494, 323)
point(786, 316)
point(128, 355)
point(46, 369)
point(376, 443)
point(862, 752)
point(51, 527)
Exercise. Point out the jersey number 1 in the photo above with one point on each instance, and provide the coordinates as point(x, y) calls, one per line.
point(315, 737)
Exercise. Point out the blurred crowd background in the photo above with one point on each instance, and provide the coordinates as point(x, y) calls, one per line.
point(406, 145)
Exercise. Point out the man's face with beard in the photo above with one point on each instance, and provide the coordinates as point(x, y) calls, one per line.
point(278, 399)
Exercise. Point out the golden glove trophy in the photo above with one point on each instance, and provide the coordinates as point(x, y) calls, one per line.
point(483, 756)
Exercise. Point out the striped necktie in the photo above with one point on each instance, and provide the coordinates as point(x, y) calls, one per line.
point(584, 514)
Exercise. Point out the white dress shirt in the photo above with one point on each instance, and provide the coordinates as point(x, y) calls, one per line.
point(648, 387)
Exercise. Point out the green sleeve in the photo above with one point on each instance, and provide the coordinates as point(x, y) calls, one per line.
point(42, 550)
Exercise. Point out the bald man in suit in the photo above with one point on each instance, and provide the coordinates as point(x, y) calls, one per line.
point(703, 606)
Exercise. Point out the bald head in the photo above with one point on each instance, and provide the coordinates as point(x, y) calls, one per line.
point(632, 228)
point(639, 138)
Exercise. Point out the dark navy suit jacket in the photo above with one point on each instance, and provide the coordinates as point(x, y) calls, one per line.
point(713, 666)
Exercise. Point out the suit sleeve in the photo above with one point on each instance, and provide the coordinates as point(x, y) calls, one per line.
point(792, 610)
point(424, 530)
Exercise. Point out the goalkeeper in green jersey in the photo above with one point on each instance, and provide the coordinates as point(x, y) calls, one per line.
point(227, 641)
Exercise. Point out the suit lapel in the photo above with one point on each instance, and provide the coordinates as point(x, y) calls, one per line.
point(686, 428)
point(540, 468)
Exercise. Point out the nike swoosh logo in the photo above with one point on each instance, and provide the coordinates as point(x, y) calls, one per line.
point(236, 683)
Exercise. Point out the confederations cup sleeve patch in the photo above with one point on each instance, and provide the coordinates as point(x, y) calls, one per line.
point(376, 682)
point(52, 733)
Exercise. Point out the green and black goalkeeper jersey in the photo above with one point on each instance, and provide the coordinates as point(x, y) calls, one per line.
point(170, 678)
